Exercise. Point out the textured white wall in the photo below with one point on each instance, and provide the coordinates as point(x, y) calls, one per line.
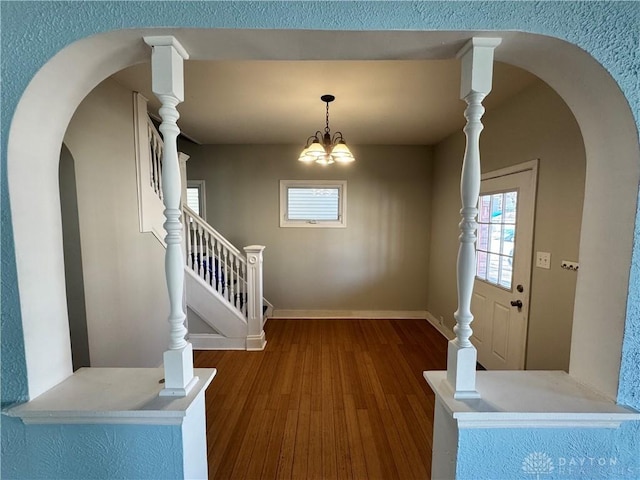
point(126, 299)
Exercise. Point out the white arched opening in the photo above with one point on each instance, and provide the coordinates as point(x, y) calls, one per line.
point(612, 154)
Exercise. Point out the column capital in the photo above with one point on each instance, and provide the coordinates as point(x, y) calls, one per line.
point(254, 248)
point(477, 65)
point(167, 41)
point(167, 66)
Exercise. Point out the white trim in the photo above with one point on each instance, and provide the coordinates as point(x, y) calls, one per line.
point(112, 396)
point(341, 185)
point(214, 341)
point(338, 314)
point(256, 343)
point(179, 391)
point(166, 41)
point(520, 167)
point(444, 331)
point(529, 399)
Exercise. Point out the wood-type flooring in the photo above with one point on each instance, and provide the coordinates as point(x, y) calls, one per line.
point(326, 399)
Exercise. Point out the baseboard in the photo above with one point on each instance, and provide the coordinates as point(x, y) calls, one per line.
point(333, 314)
point(445, 331)
point(210, 341)
point(256, 343)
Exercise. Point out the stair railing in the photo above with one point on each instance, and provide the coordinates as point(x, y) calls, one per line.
point(156, 147)
point(215, 261)
point(148, 154)
point(234, 276)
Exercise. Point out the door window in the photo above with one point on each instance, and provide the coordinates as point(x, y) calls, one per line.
point(495, 244)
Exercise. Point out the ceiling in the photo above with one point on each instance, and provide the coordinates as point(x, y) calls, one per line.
point(390, 102)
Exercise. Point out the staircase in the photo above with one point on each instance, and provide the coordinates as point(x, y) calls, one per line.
point(223, 286)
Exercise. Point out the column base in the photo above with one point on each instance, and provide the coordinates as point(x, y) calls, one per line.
point(179, 392)
point(461, 370)
point(256, 342)
point(178, 372)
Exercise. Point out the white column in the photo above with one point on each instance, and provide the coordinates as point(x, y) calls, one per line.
point(255, 335)
point(168, 85)
point(477, 69)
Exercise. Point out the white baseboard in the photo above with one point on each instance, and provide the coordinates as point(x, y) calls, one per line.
point(339, 314)
point(256, 343)
point(444, 330)
point(210, 341)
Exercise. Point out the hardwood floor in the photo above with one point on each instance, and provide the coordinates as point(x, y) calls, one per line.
point(326, 399)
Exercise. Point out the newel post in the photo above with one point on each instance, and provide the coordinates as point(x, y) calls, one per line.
point(168, 85)
point(477, 70)
point(255, 334)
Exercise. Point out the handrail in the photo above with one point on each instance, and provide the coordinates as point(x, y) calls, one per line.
point(201, 221)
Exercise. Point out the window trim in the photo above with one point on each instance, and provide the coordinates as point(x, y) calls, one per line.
point(199, 184)
point(341, 185)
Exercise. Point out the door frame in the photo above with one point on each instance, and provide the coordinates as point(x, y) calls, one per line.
point(531, 165)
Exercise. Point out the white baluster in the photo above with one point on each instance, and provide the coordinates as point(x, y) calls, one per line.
point(187, 241)
point(225, 270)
point(152, 154)
point(159, 158)
point(243, 287)
point(209, 259)
point(477, 67)
point(255, 335)
point(217, 262)
point(167, 79)
point(234, 266)
point(201, 252)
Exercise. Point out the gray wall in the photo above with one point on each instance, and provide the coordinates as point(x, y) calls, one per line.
point(379, 262)
point(74, 281)
point(125, 292)
point(534, 124)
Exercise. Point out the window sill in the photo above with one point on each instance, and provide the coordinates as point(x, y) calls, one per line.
point(111, 396)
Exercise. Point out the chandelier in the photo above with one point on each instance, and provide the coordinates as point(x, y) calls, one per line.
point(324, 148)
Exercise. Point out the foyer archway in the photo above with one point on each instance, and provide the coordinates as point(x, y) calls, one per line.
point(602, 111)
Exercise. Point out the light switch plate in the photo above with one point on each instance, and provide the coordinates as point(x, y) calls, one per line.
point(543, 260)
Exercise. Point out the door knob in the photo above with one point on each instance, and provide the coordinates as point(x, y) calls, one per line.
point(516, 303)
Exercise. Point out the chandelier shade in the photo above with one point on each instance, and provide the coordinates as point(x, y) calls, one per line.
point(323, 148)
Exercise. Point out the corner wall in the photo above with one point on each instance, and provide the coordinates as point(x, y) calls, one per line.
point(125, 292)
point(378, 262)
point(534, 124)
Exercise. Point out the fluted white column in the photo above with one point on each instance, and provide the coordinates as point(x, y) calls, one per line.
point(477, 68)
point(255, 334)
point(168, 85)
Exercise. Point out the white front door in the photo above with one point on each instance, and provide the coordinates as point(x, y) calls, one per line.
point(500, 302)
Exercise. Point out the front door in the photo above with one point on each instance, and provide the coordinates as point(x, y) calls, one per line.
point(500, 302)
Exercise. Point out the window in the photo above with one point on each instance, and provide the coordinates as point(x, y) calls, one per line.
point(496, 238)
point(196, 197)
point(313, 203)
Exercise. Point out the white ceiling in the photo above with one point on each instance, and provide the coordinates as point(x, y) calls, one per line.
point(413, 101)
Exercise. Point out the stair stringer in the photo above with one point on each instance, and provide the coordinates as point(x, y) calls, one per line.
point(213, 308)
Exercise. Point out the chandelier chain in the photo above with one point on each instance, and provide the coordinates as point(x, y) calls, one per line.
point(326, 129)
